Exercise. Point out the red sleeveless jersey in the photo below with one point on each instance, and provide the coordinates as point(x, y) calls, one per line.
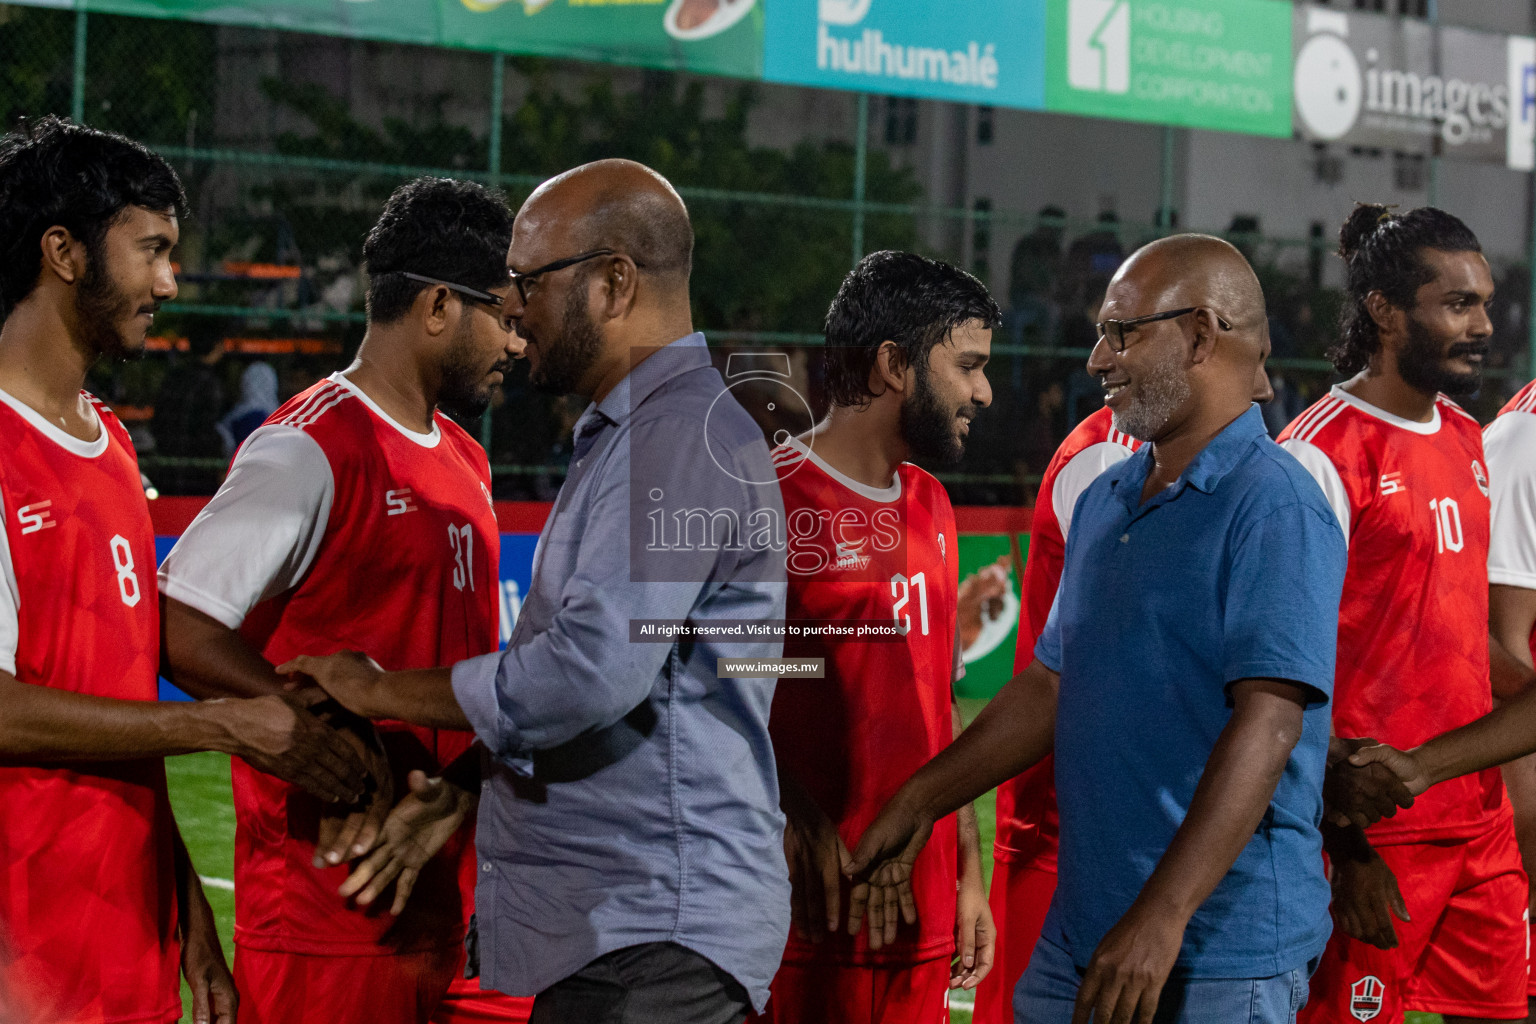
point(1026, 804)
point(883, 710)
point(87, 892)
point(406, 572)
point(1413, 621)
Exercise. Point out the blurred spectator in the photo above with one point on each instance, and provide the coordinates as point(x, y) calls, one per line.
point(1032, 280)
point(258, 400)
point(1045, 428)
point(1091, 261)
point(187, 410)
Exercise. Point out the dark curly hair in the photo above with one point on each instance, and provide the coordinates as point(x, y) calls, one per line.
point(1381, 253)
point(57, 173)
point(902, 297)
point(452, 230)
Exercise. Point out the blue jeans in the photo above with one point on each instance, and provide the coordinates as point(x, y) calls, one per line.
point(1048, 989)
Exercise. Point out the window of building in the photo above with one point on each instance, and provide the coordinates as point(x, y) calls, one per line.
point(900, 121)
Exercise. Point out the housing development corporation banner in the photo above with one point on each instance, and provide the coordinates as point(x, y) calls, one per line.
point(1263, 67)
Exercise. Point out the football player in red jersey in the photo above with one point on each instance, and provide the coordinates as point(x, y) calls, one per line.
point(98, 890)
point(872, 540)
point(360, 516)
point(1403, 467)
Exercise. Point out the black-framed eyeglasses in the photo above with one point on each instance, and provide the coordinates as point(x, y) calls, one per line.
point(1115, 331)
point(473, 294)
point(520, 280)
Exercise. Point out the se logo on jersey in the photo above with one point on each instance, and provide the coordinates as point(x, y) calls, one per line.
point(1365, 997)
point(1391, 483)
point(35, 517)
point(399, 502)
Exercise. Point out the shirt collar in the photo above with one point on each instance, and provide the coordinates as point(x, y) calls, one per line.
point(672, 360)
point(1204, 473)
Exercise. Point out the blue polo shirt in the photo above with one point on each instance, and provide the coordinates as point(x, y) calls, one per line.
point(1232, 573)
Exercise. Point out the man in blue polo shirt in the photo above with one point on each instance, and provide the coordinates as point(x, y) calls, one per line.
point(1182, 681)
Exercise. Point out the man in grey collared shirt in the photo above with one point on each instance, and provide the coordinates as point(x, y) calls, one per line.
point(630, 839)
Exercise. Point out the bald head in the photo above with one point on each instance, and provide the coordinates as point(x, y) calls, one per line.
point(1198, 270)
point(620, 205)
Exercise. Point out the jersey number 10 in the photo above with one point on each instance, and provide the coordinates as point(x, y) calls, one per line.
point(1448, 535)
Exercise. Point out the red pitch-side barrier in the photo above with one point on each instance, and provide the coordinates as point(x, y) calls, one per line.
point(171, 516)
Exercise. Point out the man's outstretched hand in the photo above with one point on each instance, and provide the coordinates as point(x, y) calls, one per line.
point(418, 827)
point(881, 871)
point(351, 677)
point(276, 734)
point(1372, 783)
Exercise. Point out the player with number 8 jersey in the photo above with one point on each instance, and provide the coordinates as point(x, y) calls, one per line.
point(88, 908)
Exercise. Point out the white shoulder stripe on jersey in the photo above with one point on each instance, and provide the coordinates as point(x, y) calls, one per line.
point(1316, 428)
point(1528, 403)
point(316, 396)
point(1312, 415)
point(320, 410)
point(1449, 404)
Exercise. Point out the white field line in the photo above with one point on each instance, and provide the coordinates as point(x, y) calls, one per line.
point(217, 883)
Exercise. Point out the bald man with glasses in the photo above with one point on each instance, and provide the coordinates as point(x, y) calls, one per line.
point(1182, 682)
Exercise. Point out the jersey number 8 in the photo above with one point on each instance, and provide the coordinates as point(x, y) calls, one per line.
point(127, 579)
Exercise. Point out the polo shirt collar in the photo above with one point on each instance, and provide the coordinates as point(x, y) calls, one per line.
point(688, 353)
point(1214, 462)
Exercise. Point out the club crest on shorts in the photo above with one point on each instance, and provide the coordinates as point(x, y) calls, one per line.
point(1365, 997)
point(1480, 476)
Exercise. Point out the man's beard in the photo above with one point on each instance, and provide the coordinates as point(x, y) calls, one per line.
point(1421, 363)
point(927, 425)
point(561, 366)
point(1162, 389)
point(100, 308)
point(464, 391)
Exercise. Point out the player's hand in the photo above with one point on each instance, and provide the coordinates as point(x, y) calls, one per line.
point(1371, 784)
point(817, 859)
point(1366, 898)
point(276, 735)
point(351, 677)
point(202, 963)
point(1125, 978)
point(882, 871)
point(416, 829)
point(349, 831)
point(975, 936)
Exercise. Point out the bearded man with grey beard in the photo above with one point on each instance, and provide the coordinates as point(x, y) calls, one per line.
point(1182, 681)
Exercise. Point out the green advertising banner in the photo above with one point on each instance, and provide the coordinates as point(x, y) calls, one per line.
point(717, 37)
point(1221, 64)
point(989, 655)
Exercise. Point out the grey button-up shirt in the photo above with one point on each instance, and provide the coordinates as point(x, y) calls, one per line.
point(634, 797)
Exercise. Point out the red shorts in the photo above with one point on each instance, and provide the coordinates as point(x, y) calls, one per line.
point(296, 988)
point(1021, 894)
point(1463, 954)
point(847, 994)
point(468, 1003)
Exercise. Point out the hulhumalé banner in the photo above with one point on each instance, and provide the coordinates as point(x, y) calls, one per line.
point(970, 51)
point(1220, 64)
point(720, 37)
point(1408, 86)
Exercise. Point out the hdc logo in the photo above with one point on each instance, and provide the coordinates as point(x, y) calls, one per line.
point(1098, 45)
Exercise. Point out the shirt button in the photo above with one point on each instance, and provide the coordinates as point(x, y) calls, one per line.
point(486, 867)
point(1125, 538)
